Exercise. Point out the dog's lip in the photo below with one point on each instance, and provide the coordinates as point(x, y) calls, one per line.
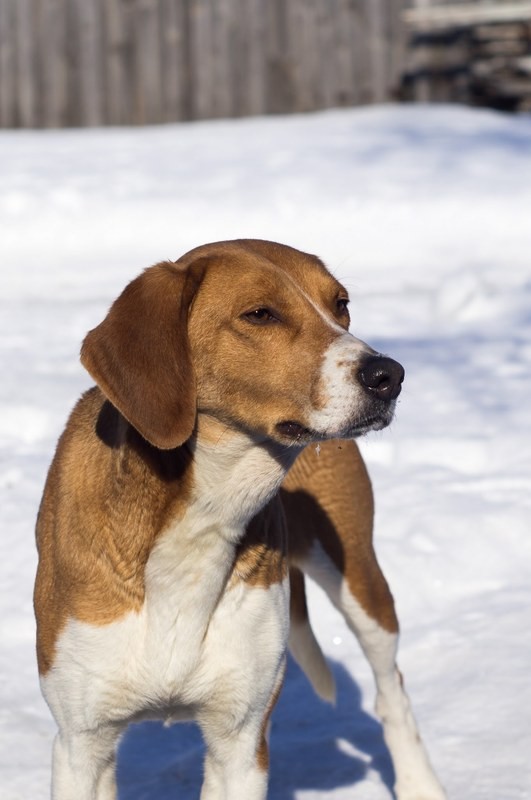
point(300, 434)
point(374, 422)
point(290, 429)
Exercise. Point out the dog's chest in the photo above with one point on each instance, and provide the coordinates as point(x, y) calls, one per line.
point(187, 642)
point(186, 577)
point(203, 633)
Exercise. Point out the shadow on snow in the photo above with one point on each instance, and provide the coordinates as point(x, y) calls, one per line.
point(313, 747)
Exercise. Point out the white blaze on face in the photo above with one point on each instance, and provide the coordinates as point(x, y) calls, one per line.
point(342, 396)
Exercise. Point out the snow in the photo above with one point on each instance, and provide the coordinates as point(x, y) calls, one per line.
point(425, 214)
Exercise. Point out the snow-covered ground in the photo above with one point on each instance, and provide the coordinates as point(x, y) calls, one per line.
point(425, 213)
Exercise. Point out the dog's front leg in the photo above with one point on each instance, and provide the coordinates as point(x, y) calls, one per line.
point(236, 766)
point(84, 765)
point(236, 733)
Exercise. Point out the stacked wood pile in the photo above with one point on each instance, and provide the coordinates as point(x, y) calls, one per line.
point(476, 54)
point(501, 66)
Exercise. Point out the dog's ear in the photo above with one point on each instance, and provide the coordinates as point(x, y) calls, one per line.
point(140, 354)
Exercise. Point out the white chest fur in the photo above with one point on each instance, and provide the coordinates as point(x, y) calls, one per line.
point(193, 640)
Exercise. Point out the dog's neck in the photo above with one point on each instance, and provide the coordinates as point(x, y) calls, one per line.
point(225, 475)
point(232, 477)
point(235, 474)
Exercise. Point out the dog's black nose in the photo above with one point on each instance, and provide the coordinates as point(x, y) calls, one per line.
point(382, 377)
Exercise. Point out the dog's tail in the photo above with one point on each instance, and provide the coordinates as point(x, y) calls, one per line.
point(303, 645)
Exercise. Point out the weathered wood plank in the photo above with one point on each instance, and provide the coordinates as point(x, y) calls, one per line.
point(327, 44)
point(200, 33)
point(118, 64)
point(223, 44)
point(88, 85)
point(362, 51)
point(279, 70)
point(174, 60)
point(344, 78)
point(306, 53)
point(377, 49)
point(25, 66)
point(53, 64)
point(398, 41)
point(148, 63)
point(249, 59)
point(431, 17)
point(8, 99)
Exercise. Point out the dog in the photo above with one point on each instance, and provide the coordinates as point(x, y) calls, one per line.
point(212, 465)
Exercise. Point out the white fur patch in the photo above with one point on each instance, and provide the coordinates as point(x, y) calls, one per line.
point(234, 479)
point(325, 317)
point(344, 397)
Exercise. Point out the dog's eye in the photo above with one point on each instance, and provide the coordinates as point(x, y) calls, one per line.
point(260, 316)
point(342, 305)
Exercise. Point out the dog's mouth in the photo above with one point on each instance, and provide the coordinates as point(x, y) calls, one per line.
point(295, 432)
point(368, 424)
point(379, 416)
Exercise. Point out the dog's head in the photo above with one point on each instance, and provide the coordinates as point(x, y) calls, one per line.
point(251, 333)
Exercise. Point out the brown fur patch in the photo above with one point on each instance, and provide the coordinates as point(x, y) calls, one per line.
point(140, 354)
point(327, 497)
point(107, 497)
point(262, 754)
point(261, 557)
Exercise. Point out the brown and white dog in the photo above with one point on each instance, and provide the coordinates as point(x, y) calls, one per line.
point(182, 498)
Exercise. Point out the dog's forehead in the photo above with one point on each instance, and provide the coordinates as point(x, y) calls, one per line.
point(253, 263)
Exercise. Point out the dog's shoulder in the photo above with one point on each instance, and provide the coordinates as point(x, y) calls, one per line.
point(108, 496)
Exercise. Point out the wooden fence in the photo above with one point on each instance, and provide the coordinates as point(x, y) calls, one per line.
point(115, 62)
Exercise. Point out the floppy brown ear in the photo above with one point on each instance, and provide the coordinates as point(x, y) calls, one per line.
point(140, 355)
